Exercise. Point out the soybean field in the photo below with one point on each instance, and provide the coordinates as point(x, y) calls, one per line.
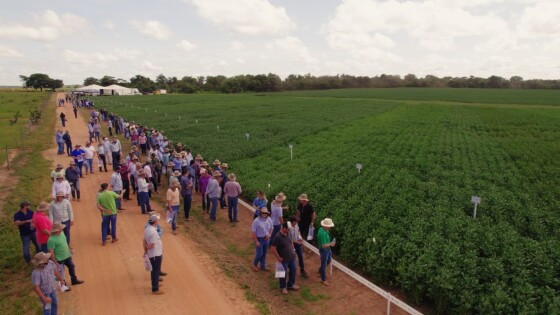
point(406, 218)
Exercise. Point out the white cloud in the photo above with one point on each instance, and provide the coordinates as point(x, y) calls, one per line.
point(236, 45)
point(293, 47)
point(186, 45)
point(9, 52)
point(541, 19)
point(152, 28)
point(251, 17)
point(148, 65)
point(100, 59)
point(47, 26)
point(109, 25)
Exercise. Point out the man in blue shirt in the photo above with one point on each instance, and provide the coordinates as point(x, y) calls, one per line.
point(78, 153)
point(22, 219)
point(262, 230)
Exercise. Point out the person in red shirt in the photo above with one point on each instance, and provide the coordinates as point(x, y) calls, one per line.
point(42, 225)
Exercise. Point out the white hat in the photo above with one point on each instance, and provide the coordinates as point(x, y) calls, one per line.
point(327, 222)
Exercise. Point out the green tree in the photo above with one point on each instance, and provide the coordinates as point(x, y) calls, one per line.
point(91, 80)
point(108, 80)
point(143, 84)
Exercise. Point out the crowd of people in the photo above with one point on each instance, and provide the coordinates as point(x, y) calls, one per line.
point(154, 161)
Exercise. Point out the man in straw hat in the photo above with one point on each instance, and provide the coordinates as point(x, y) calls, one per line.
point(325, 244)
point(262, 230)
point(106, 203)
point(154, 249)
point(143, 192)
point(61, 185)
point(173, 203)
point(306, 215)
point(58, 170)
point(60, 210)
point(72, 174)
point(42, 225)
point(186, 182)
point(58, 248)
point(232, 189)
point(282, 248)
point(23, 219)
point(42, 277)
point(277, 212)
point(117, 185)
point(213, 191)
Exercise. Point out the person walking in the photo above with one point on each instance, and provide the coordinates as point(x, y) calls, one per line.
point(72, 174)
point(233, 190)
point(42, 277)
point(261, 230)
point(214, 191)
point(115, 152)
point(153, 248)
point(58, 170)
point(78, 153)
point(277, 213)
point(186, 193)
point(117, 186)
point(89, 154)
point(203, 181)
point(306, 215)
point(106, 203)
point(59, 142)
point(60, 210)
point(143, 195)
point(22, 219)
point(174, 203)
point(123, 170)
point(42, 225)
point(297, 241)
point(58, 248)
point(75, 110)
point(259, 202)
point(63, 119)
point(101, 156)
point(90, 131)
point(68, 141)
point(283, 249)
point(61, 185)
point(325, 244)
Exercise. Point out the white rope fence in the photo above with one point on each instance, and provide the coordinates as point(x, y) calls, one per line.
point(390, 298)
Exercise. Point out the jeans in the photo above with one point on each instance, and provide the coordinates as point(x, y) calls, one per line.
point(326, 256)
point(187, 201)
point(102, 157)
point(116, 157)
point(175, 210)
point(44, 248)
point(105, 225)
point(205, 203)
point(144, 148)
point(96, 135)
point(222, 199)
point(156, 269)
point(260, 252)
point(144, 200)
point(89, 166)
point(126, 187)
point(67, 231)
point(69, 148)
point(275, 229)
point(75, 189)
point(299, 253)
point(232, 208)
point(26, 240)
point(71, 268)
point(110, 131)
point(63, 121)
point(153, 179)
point(79, 165)
point(118, 201)
point(54, 304)
point(60, 147)
point(214, 208)
point(90, 136)
point(291, 265)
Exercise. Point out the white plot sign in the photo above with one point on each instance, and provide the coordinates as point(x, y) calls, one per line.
point(476, 200)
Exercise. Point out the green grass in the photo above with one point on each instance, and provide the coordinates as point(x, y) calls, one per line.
point(423, 160)
point(33, 171)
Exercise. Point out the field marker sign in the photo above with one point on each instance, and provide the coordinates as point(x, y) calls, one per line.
point(476, 200)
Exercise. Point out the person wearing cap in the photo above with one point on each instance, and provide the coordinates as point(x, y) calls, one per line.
point(42, 225)
point(261, 230)
point(106, 203)
point(277, 212)
point(89, 154)
point(325, 244)
point(115, 151)
point(58, 170)
point(173, 203)
point(68, 141)
point(72, 174)
point(58, 248)
point(143, 194)
point(42, 277)
point(306, 215)
point(116, 183)
point(259, 202)
point(232, 189)
point(283, 249)
point(154, 249)
point(59, 142)
point(22, 219)
point(61, 185)
point(213, 191)
point(102, 159)
point(60, 210)
point(203, 181)
point(186, 181)
point(78, 153)
point(297, 240)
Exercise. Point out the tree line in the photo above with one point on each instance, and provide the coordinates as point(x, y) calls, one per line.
point(273, 83)
point(41, 81)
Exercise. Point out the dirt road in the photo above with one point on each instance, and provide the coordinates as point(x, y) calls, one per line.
point(114, 275)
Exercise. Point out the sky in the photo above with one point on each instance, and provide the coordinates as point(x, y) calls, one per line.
point(72, 40)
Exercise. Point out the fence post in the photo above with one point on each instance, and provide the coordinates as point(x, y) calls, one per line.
point(389, 303)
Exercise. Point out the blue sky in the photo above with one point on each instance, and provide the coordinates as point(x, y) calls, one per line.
point(72, 40)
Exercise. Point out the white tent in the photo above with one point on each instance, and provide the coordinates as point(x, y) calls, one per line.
point(90, 87)
point(119, 90)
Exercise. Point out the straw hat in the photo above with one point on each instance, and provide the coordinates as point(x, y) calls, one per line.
point(224, 165)
point(141, 173)
point(41, 258)
point(57, 227)
point(170, 164)
point(198, 157)
point(217, 174)
point(217, 162)
point(327, 222)
point(58, 166)
point(303, 197)
point(232, 176)
point(59, 176)
point(72, 162)
point(176, 173)
point(43, 206)
point(264, 210)
point(60, 194)
point(175, 183)
point(204, 163)
point(280, 197)
point(153, 218)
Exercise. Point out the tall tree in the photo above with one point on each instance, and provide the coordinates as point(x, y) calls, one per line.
point(91, 80)
point(41, 81)
point(108, 80)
